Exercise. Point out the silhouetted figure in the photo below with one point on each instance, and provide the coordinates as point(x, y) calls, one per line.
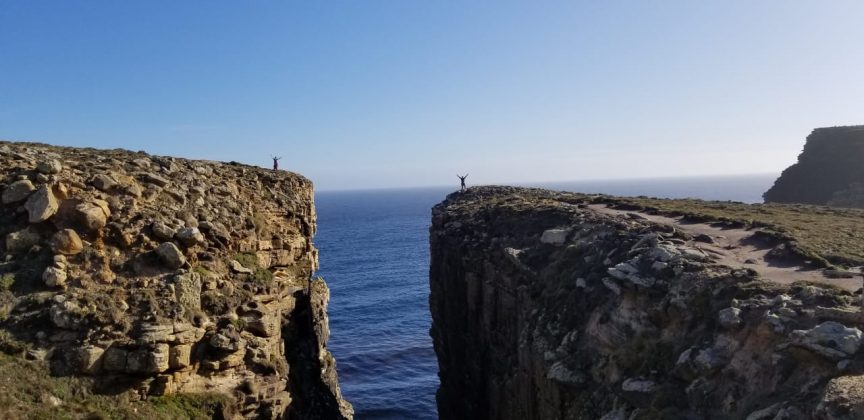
point(276, 163)
point(462, 179)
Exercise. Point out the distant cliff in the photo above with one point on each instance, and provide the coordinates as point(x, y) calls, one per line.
point(163, 283)
point(829, 170)
point(551, 305)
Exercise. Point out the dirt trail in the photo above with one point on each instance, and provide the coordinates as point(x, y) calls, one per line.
point(738, 248)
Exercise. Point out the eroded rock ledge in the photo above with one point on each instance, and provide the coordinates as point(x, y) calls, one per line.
point(545, 307)
point(155, 276)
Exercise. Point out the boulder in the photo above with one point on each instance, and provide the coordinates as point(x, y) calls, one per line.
point(831, 339)
point(66, 242)
point(190, 236)
point(103, 182)
point(163, 231)
point(170, 255)
point(180, 356)
point(49, 166)
point(729, 317)
point(554, 236)
point(238, 268)
point(22, 240)
point(41, 205)
point(18, 191)
point(90, 216)
point(155, 179)
point(187, 290)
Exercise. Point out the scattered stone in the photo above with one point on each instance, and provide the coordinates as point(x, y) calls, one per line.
point(831, 339)
point(66, 242)
point(163, 231)
point(22, 240)
point(155, 179)
point(49, 167)
point(54, 277)
point(171, 255)
point(729, 317)
point(18, 191)
point(238, 268)
point(103, 182)
point(704, 239)
point(41, 205)
point(190, 237)
point(843, 399)
point(91, 216)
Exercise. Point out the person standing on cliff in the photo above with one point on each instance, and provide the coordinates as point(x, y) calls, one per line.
point(276, 163)
point(462, 179)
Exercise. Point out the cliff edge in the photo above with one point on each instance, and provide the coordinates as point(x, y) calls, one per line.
point(159, 287)
point(550, 305)
point(829, 170)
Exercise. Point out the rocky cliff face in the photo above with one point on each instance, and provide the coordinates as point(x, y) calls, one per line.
point(554, 306)
point(156, 276)
point(829, 169)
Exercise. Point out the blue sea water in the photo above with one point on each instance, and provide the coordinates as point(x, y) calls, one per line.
point(374, 255)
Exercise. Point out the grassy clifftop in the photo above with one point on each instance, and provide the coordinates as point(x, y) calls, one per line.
point(824, 235)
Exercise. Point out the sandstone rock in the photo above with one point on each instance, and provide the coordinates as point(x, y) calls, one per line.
point(153, 359)
point(187, 289)
point(115, 359)
point(22, 240)
point(180, 356)
point(86, 359)
point(49, 167)
point(190, 236)
point(170, 255)
point(41, 205)
point(66, 242)
point(54, 277)
point(17, 191)
point(91, 217)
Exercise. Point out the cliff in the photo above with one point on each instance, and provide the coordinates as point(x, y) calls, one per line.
point(159, 284)
point(829, 166)
point(552, 305)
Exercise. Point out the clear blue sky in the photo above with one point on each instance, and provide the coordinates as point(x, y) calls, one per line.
point(357, 94)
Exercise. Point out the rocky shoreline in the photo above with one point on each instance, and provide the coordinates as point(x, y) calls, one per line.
point(158, 276)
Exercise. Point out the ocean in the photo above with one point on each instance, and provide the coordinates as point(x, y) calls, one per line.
point(374, 255)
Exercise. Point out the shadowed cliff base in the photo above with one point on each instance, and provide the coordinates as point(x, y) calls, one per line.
point(561, 305)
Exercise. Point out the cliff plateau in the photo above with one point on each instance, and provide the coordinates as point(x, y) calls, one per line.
point(156, 284)
point(550, 305)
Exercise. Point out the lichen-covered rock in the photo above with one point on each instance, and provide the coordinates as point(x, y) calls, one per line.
point(122, 273)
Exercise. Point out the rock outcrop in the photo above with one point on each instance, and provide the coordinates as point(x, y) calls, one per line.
point(119, 267)
point(551, 305)
point(829, 170)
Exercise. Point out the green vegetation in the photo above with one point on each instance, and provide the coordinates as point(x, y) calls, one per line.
point(824, 235)
point(247, 259)
point(31, 392)
point(6, 281)
point(263, 276)
point(239, 324)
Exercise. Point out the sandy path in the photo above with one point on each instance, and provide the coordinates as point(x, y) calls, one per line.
point(738, 248)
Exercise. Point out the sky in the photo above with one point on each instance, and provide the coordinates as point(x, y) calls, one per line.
point(374, 93)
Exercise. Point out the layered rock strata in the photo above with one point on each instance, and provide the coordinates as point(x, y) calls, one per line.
point(551, 305)
point(155, 275)
point(829, 170)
